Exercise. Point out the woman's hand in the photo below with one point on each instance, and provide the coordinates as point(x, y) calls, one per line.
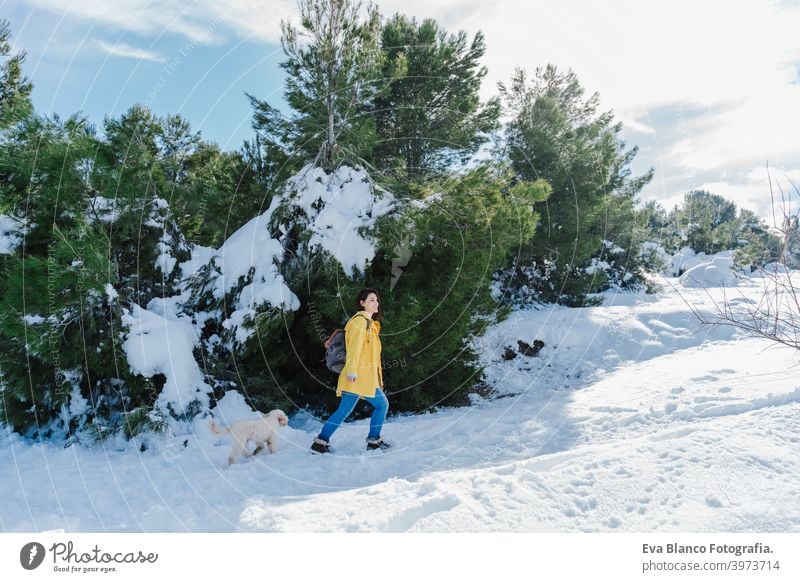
point(352, 376)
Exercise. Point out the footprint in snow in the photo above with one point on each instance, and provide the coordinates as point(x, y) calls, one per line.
point(707, 378)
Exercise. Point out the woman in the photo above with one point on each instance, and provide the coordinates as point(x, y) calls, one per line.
point(361, 376)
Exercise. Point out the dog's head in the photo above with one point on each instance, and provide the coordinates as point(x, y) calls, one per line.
point(280, 416)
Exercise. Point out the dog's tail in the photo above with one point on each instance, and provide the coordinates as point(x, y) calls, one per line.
point(217, 430)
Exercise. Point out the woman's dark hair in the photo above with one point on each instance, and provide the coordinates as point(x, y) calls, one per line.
point(362, 296)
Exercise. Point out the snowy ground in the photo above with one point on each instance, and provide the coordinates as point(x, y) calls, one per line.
point(632, 418)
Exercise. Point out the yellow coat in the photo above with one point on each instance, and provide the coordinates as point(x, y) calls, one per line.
point(363, 357)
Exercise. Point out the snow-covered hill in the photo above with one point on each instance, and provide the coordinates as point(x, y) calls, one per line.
point(631, 418)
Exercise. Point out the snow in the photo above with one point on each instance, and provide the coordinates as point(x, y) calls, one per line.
point(200, 256)
point(160, 343)
point(339, 206)
point(685, 259)
point(11, 233)
point(612, 248)
point(249, 247)
point(78, 405)
point(597, 266)
point(338, 209)
point(248, 252)
point(165, 262)
point(775, 268)
point(429, 200)
point(655, 252)
point(631, 418)
point(103, 209)
point(718, 272)
point(111, 293)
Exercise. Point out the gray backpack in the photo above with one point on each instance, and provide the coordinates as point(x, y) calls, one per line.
point(336, 350)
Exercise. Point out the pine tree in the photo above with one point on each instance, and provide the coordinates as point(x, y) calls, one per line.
point(443, 298)
point(332, 80)
point(99, 238)
point(176, 142)
point(130, 183)
point(556, 135)
point(58, 314)
point(431, 115)
point(708, 221)
point(756, 245)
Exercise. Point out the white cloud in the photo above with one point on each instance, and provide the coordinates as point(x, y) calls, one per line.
point(125, 50)
point(253, 19)
point(683, 146)
point(199, 21)
point(636, 125)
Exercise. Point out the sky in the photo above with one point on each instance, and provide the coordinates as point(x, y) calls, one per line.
point(708, 91)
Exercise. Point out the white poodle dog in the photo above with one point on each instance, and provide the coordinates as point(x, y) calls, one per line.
point(262, 431)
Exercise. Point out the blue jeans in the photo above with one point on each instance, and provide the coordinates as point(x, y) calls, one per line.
point(348, 403)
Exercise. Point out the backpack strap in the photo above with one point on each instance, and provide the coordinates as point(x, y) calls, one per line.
point(333, 335)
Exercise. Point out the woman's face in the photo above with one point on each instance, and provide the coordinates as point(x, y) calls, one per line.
point(370, 303)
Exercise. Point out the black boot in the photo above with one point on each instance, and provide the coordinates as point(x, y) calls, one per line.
point(378, 443)
point(320, 446)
